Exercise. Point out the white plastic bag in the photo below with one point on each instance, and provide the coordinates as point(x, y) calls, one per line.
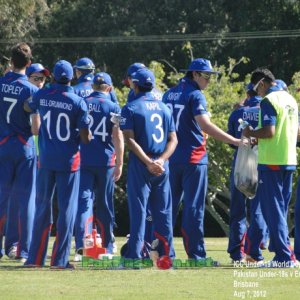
point(245, 171)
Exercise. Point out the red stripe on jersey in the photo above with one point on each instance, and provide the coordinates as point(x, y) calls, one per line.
point(22, 140)
point(198, 153)
point(4, 140)
point(41, 249)
point(76, 162)
point(274, 167)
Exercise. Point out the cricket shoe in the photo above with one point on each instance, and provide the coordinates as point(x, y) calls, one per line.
point(69, 266)
point(112, 248)
point(77, 257)
point(21, 259)
point(252, 261)
point(12, 253)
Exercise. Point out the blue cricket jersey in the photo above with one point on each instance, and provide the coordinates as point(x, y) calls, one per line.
point(156, 93)
point(84, 88)
point(151, 122)
point(100, 151)
point(62, 113)
point(186, 101)
point(15, 89)
point(249, 113)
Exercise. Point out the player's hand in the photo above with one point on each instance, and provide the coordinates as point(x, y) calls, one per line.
point(247, 131)
point(155, 168)
point(117, 172)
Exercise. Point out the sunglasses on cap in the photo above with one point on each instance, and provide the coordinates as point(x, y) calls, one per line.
point(38, 78)
point(257, 84)
point(204, 75)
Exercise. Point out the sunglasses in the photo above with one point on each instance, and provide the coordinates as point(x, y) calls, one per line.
point(38, 78)
point(204, 75)
point(257, 84)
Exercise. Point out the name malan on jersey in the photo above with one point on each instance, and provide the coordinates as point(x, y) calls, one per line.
point(56, 104)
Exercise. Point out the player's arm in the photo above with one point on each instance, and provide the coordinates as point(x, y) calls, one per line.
point(214, 131)
point(118, 141)
point(133, 146)
point(35, 123)
point(170, 148)
point(85, 135)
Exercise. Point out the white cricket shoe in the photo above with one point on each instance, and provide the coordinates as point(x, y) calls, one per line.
point(112, 248)
point(77, 257)
point(12, 253)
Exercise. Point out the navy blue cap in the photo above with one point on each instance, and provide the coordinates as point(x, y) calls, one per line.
point(134, 67)
point(102, 78)
point(63, 70)
point(143, 78)
point(84, 64)
point(200, 65)
point(37, 68)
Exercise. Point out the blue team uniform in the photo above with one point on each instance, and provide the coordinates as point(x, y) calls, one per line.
point(188, 164)
point(17, 159)
point(157, 94)
point(297, 220)
point(96, 172)
point(151, 123)
point(239, 235)
point(62, 113)
point(83, 88)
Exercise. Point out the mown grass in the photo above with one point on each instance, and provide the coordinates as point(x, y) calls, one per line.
point(205, 283)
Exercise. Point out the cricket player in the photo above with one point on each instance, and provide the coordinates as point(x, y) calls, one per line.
point(37, 74)
point(149, 132)
point(277, 138)
point(84, 70)
point(244, 244)
point(17, 151)
point(64, 121)
point(157, 94)
point(188, 164)
point(101, 166)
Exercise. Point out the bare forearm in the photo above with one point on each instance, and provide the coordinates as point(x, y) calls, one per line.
point(170, 146)
point(118, 141)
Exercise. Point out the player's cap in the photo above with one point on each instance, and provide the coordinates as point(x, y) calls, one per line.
point(281, 84)
point(200, 65)
point(63, 71)
point(134, 67)
point(37, 68)
point(249, 87)
point(84, 64)
point(102, 78)
point(143, 78)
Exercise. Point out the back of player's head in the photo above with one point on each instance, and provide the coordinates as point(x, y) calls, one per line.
point(102, 81)
point(85, 65)
point(250, 91)
point(262, 74)
point(21, 55)
point(144, 79)
point(132, 69)
point(63, 72)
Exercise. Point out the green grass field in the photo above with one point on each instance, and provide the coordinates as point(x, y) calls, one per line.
point(224, 282)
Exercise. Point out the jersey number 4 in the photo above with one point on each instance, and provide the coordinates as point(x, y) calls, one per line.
point(100, 129)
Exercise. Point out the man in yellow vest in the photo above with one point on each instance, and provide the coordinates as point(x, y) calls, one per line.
point(277, 138)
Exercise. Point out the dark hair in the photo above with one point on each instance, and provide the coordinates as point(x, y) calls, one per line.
point(189, 74)
point(262, 73)
point(251, 93)
point(63, 80)
point(21, 55)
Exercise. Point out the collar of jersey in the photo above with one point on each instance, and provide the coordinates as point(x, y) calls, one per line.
point(15, 75)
